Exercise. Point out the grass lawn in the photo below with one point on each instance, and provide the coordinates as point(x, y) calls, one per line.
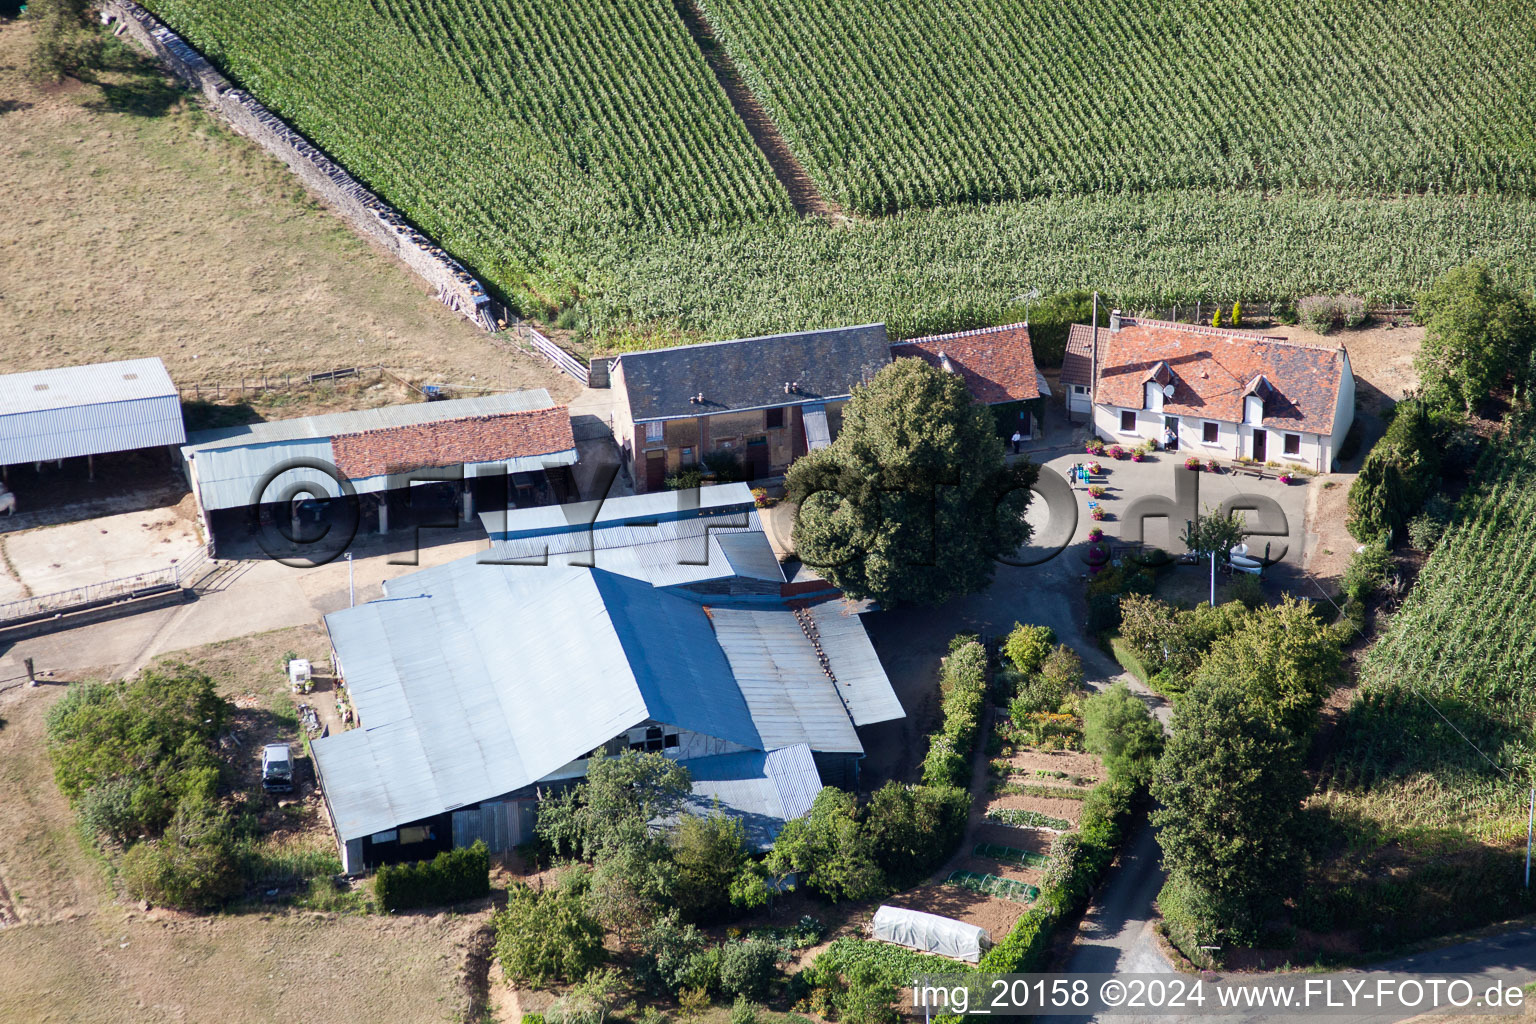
point(80, 955)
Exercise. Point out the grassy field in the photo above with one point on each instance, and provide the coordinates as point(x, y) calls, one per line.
point(608, 184)
point(132, 224)
point(77, 955)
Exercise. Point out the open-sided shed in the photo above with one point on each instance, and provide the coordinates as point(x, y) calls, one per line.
point(64, 413)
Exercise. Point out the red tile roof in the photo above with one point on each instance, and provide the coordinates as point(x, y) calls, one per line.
point(997, 363)
point(454, 442)
point(1076, 365)
point(1212, 370)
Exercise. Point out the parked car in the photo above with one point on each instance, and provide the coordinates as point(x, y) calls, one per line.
point(277, 768)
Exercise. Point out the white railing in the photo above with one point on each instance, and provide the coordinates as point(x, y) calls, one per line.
point(186, 573)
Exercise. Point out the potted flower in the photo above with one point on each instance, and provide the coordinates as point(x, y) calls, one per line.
point(1193, 462)
point(1094, 446)
point(1096, 490)
point(1210, 465)
point(1285, 478)
point(1114, 451)
point(1096, 533)
point(1137, 455)
point(1097, 513)
point(1095, 468)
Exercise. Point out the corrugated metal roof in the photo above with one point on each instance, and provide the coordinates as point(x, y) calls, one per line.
point(68, 387)
point(790, 696)
point(474, 680)
point(231, 463)
point(750, 555)
point(724, 500)
point(762, 788)
point(329, 425)
point(861, 679)
point(88, 410)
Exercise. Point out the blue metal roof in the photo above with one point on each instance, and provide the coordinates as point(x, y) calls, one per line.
point(762, 788)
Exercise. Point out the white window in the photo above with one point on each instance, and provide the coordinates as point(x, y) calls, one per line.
point(653, 432)
point(1210, 433)
point(1293, 444)
point(1128, 421)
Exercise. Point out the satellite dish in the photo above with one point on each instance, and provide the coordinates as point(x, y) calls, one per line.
point(1168, 390)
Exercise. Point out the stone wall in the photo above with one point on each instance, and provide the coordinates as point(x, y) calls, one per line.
point(455, 286)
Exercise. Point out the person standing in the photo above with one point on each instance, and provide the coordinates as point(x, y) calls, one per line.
point(1018, 442)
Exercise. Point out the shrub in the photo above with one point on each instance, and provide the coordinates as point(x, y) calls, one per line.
point(673, 957)
point(1063, 667)
point(1400, 472)
point(866, 997)
point(1316, 313)
point(748, 968)
point(685, 479)
point(1037, 696)
point(198, 875)
point(107, 811)
point(1027, 646)
point(944, 765)
point(546, 936)
point(744, 1011)
point(450, 877)
point(1118, 728)
point(590, 1002)
point(1366, 573)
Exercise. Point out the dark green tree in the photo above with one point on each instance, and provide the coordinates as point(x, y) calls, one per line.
point(1230, 785)
point(914, 829)
point(913, 502)
point(615, 804)
point(709, 854)
point(1284, 658)
point(828, 850)
point(1475, 331)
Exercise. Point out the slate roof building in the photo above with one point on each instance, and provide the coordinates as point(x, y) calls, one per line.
point(1221, 393)
point(365, 470)
point(75, 411)
point(767, 400)
point(482, 687)
point(998, 367)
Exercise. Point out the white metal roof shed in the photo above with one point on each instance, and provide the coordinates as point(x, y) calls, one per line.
point(88, 410)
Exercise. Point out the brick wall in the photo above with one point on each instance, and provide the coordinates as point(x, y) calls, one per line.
point(455, 286)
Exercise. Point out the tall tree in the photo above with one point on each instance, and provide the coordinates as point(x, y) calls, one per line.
point(67, 42)
point(913, 502)
point(1216, 532)
point(1230, 783)
point(1474, 330)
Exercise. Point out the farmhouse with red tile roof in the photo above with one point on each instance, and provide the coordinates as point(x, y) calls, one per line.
point(996, 363)
point(1224, 394)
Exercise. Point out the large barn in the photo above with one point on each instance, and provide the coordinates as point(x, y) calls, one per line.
point(481, 687)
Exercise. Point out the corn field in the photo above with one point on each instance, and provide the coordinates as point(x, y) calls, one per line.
point(1463, 640)
point(582, 157)
point(893, 105)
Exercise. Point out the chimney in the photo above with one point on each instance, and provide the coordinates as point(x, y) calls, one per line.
point(944, 362)
point(1114, 320)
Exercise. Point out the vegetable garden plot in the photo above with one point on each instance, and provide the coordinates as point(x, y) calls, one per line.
point(1028, 819)
point(1011, 855)
point(992, 885)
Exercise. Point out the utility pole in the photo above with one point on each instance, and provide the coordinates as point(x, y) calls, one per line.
point(1093, 362)
point(351, 587)
point(1213, 579)
point(1530, 820)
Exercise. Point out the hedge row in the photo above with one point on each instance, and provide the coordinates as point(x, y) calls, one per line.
point(450, 877)
point(963, 681)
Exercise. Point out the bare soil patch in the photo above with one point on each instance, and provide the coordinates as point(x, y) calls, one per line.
point(130, 229)
point(1327, 515)
point(1381, 355)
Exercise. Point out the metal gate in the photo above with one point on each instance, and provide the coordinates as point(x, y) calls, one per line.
point(501, 825)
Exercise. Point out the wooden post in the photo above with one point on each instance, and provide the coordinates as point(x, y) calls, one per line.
point(32, 680)
point(90, 468)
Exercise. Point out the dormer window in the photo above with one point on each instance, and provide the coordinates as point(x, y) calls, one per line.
point(1154, 397)
point(1253, 410)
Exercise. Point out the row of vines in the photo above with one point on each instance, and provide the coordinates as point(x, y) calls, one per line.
point(1462, 643)
point(581, 157)
point(912, 103)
